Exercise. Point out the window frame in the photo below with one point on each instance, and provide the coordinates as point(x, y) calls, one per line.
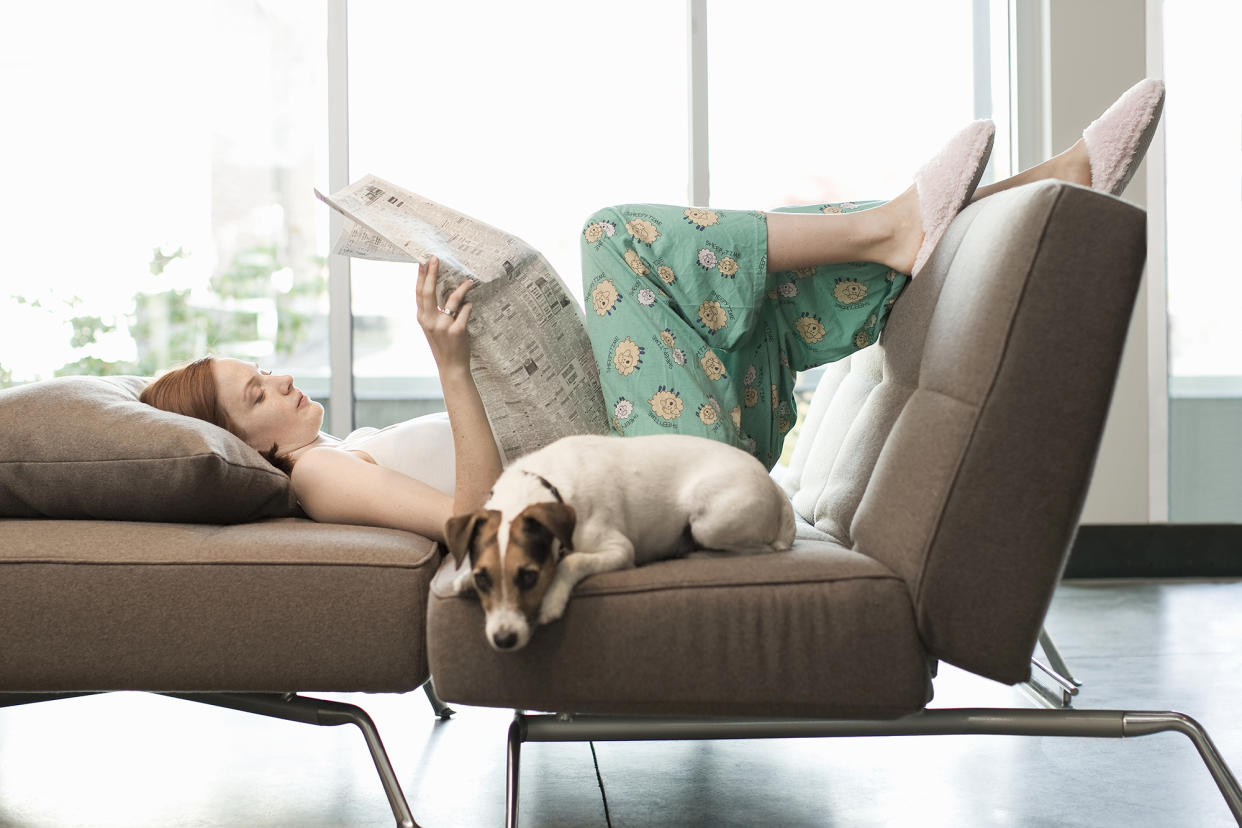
point(987, 15)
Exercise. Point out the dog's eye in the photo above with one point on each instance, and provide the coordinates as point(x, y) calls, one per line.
point(526, 578)
point(482, 581)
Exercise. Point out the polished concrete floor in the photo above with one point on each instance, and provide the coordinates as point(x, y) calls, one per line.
point(137, 760)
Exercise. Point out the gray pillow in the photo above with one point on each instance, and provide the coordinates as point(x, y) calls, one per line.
point(85, 447)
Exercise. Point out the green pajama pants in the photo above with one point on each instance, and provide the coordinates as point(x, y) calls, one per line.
point(692, 335)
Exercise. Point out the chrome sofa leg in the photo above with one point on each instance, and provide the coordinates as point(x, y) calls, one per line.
point(437, 704)
point(1114, 724)
point(321, 712)
point(1060, 696)
point(1066, 686)
point(1054, 657)
point(517, 734)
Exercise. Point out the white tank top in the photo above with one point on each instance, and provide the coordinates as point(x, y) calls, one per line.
point(421, 448)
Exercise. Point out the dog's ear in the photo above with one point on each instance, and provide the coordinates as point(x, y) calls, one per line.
point(558, 519)
point(459, 533)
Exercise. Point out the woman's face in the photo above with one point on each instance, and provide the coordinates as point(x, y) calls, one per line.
point(265, 408)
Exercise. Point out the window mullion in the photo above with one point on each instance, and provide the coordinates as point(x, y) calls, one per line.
point(699, 191)
point(340, 312)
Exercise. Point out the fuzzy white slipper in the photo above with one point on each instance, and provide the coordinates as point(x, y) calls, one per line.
point(946, 183)
point(1117, 140)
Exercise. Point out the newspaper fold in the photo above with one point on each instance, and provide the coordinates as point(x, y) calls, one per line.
point(529, 351)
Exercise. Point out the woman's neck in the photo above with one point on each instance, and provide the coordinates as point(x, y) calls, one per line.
point(321, 439)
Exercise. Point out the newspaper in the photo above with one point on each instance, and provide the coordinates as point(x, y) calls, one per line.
point(529, 351)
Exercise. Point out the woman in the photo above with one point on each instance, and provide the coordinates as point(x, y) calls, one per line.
point(343, 481)
point(829, 275)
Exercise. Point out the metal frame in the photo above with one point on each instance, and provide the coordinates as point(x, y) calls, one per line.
point(294, 708)
point(437, 704)
point(1110, 724)
point(1066, 686)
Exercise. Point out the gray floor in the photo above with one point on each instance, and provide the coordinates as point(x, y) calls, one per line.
point(137, 760)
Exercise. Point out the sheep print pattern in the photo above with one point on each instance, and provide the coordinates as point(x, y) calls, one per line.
point(692, 335)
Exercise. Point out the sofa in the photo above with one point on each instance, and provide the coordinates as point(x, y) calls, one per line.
point(143, 550)
point(938, 480)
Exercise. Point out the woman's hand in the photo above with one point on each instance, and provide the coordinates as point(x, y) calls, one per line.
point(445, 329)
point(475, 455)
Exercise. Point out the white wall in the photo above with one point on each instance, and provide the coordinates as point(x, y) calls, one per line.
point(1097, 50)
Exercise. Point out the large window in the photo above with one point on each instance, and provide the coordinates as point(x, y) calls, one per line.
point(526, 115)
point(530, 116)
point(159, 182)
point(1203, 179)
point(814, 102)
point(819, 102)
point(158, 186)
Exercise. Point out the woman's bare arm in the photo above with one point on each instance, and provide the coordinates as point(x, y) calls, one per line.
point(335, 486)
point(476, 456)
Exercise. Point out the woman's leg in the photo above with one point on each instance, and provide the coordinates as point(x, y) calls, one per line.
point(889, 235)
point(694, 333)
point(1071, 166)
point(670, 293)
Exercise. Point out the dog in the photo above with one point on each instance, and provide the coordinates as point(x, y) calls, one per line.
point(587, 504)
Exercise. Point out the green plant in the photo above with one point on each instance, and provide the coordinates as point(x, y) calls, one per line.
point(169, 328)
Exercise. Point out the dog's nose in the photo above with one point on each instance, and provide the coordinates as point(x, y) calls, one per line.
point(504, 640)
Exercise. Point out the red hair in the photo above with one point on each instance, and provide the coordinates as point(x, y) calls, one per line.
point(191, 390)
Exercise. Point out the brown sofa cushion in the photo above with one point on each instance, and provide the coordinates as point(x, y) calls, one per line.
point(273, 606)
point(85, 447)
point(958, 450)
point(819, 630)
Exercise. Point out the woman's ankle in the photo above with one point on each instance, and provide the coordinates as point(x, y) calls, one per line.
point(901, 232)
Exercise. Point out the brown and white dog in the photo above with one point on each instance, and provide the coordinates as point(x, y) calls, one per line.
point(588, 504)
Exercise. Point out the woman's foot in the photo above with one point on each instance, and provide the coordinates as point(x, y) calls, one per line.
point(1118, 139)
point(901, 233)
point(1109, 151)
point(1072, 165)
point(945, 184)
point(904, 231)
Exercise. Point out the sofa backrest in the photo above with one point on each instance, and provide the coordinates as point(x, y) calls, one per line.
point(958, 450)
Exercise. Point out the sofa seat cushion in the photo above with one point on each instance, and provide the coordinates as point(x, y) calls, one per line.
point(818, 630)
point(279, 605)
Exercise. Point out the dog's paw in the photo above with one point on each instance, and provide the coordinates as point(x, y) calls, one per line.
point(553, 606)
